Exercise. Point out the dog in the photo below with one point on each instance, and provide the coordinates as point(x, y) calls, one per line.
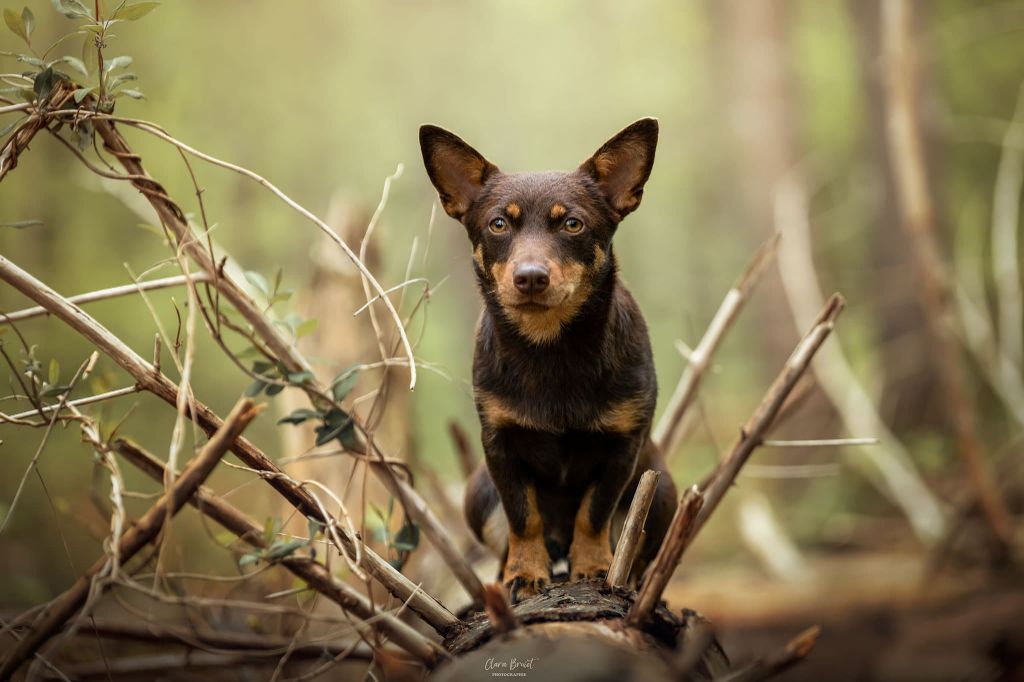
point(563, 375)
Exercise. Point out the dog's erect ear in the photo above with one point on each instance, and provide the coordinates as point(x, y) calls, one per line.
point(457, 170)
point(622, 165)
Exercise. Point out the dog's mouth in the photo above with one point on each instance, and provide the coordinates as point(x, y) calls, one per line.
point(531, 307)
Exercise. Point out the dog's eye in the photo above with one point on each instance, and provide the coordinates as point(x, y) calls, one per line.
point(498, 226)
point(573, 226)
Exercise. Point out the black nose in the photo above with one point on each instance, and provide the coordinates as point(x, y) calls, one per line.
point(530, 278)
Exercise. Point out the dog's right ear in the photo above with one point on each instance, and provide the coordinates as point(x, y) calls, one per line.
point(457, 170)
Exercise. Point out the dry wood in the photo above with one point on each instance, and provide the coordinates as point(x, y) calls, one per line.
point(889, 467)
point(668, 432)
point(763, 668)
point(632, 528)
point(695, 507)
point(315, 574)
point(187, 665)
point(440, 537)
point(149, 379)
point(680, 534)
point(498, 610)
point(205, 638)
point(105, 294)
point(174, 219)
point(54, 617)
point(918, 218)
point(19, 139)
point(761, 420)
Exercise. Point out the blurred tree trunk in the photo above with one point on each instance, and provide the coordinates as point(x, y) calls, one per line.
point(907, 401)
point(757, 97)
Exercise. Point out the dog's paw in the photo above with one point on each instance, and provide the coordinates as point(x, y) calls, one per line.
point(589, 560)
point(521, 586)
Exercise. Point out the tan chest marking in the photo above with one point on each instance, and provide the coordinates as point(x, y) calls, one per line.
point(621, 417)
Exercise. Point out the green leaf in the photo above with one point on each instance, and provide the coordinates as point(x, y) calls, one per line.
point(90, 57)
point(72, 9)
point(255, 388)
point(299, 416)
point(54, 374)
point(28, 20)
point(16, 23)
point(53, 391)
point(344, 383)
point(270, 528)
point(120, 79)
point(306, 328)
point(248, 559)
point(130, 92)
point(22, 224)
point(281, 549)
point(74, 62)
point(80, 94)
point(407, 538)
point(136, 11)
point(313, 527)
point(274, 389)
point(117, 63)
point(258, 281)
point(338, 425)
point(43, 84)
point(29, 59)
point(300, 377)
point(84, 132)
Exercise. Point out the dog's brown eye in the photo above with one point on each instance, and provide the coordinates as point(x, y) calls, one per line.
point(498, 226)
point(573, 226)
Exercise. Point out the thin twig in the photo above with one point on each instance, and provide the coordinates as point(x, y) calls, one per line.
point(754, 429)
point(667, 433)
point(678, 537)
point(105, 294)
point(158, 384)
point(795, 651)
point(918, 218)
point(629, 539)
point(133, 540)
point(315, 574)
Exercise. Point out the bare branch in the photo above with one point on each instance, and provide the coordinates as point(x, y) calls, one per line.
point(158, 384)
point(668, 432)
point(677, 539)
point(104, 294)
point(753, 431)
point(889, 467)
point(795, 651)
point(917, 210)
point(629, 538)
point(148, 526)
point(316, 575)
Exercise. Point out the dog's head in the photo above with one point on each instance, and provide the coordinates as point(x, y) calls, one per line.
point(541, 241)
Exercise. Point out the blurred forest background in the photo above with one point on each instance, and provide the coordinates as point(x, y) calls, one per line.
point(324, 99)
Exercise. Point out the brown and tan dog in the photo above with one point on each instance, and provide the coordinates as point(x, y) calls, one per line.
point(562, 372)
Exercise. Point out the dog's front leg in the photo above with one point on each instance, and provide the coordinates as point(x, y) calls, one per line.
point(590, 554)
point(528, 566)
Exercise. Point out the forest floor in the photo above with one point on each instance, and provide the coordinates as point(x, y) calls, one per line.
point(883, 617)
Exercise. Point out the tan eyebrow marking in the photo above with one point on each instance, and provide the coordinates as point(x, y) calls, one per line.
point(513, 211)
point(557, 211)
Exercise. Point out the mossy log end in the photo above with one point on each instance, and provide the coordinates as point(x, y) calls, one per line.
point(577, 631)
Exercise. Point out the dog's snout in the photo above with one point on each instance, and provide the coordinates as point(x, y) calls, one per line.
point(531, 278)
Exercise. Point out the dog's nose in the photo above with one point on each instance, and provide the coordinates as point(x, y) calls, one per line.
point(531, 278)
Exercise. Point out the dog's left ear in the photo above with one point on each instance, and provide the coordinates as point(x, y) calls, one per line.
point(622, 165)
